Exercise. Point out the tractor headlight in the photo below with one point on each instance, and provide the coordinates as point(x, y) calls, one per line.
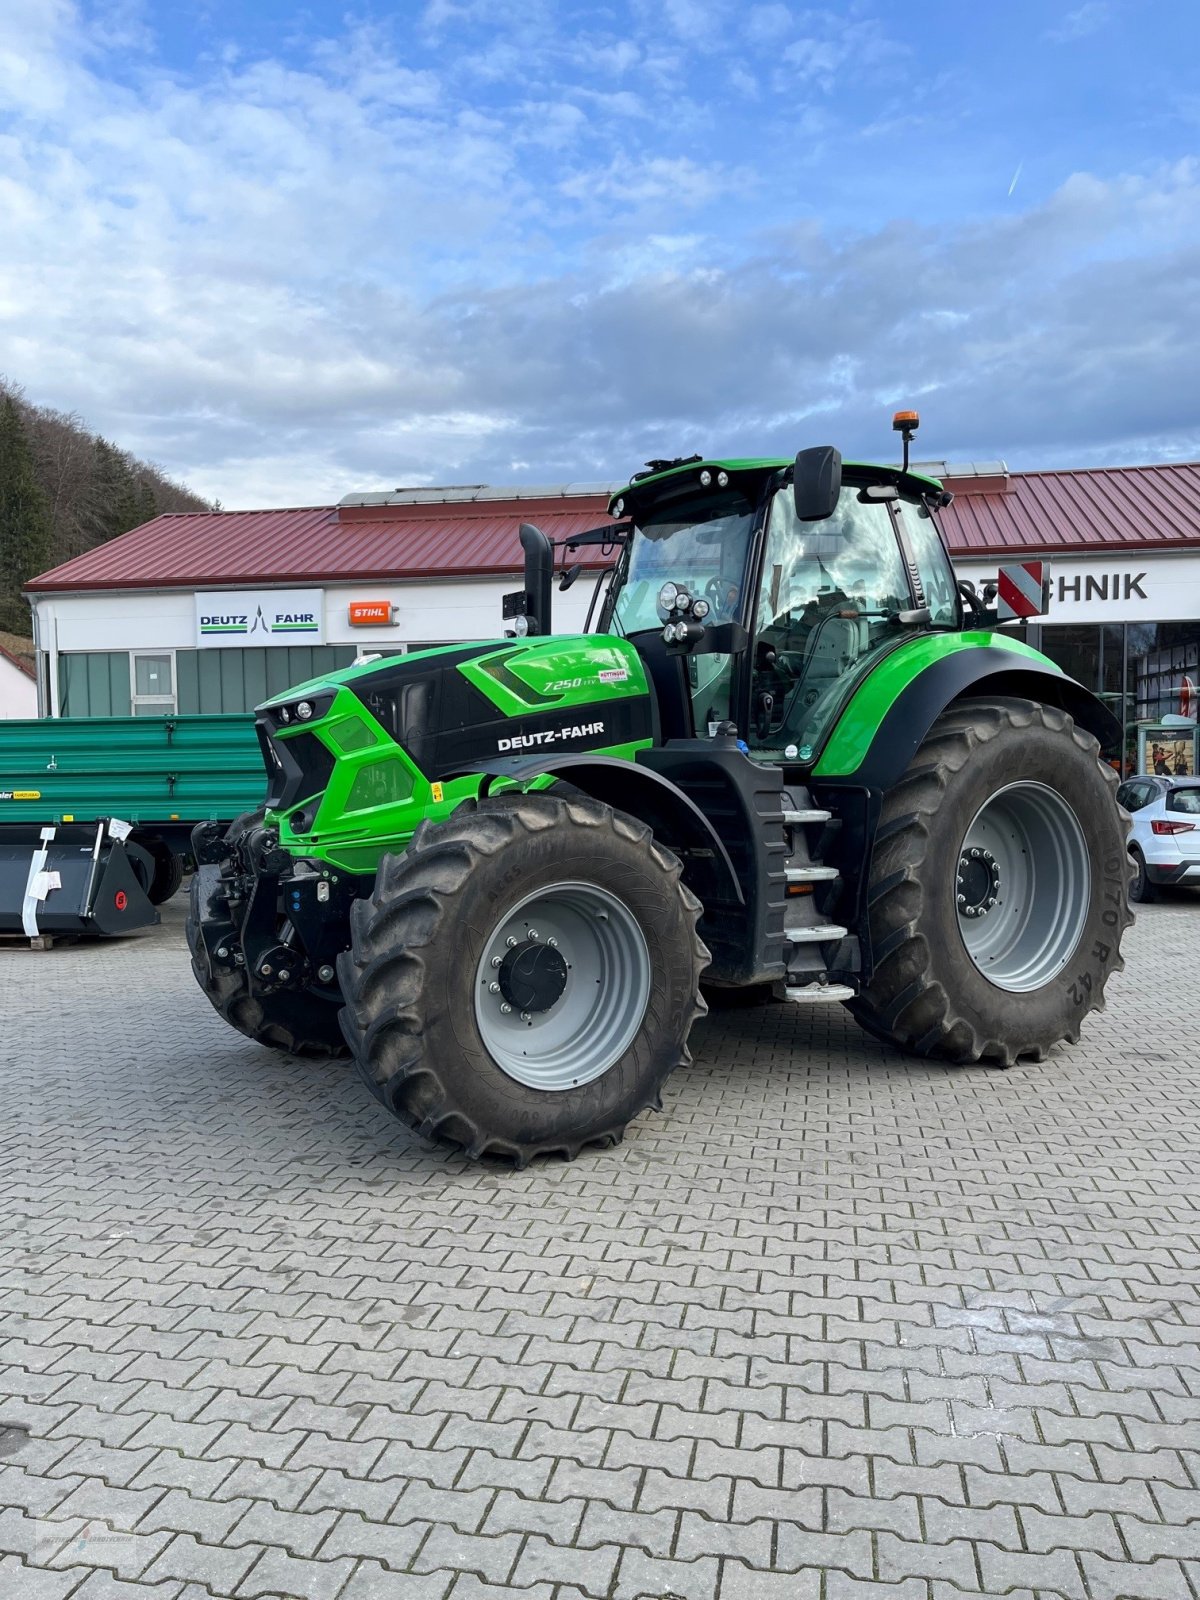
point(304, 710)
point(682, 600)
point(520, 626)
point(618, 508)
point(666, 598)
point(284, 714)
point(700, 610)
point(722, 480)
point(705, 478)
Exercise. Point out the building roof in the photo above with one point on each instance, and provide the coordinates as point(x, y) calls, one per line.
point(471, 531)
point(325, 544)
point(23, 663)
point(1080, 512)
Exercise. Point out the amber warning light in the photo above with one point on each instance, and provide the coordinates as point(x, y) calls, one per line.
point(906, 423)
point(372, 613)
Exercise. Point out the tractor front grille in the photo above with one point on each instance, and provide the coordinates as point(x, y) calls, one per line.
point(298, 767)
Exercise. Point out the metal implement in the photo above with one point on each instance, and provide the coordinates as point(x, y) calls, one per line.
point(74, 878)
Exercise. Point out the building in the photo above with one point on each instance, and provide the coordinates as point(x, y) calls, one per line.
point(18, 684)
point(1123, 546)
point(214, 611)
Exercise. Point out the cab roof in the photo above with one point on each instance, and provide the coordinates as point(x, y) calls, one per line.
point(916, 482)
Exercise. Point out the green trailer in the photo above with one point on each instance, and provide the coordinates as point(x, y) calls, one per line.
point(96, 814)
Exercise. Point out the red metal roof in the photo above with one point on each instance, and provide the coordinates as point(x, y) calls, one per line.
point(322, 544)
point(1115, 508)
point(1047, 513)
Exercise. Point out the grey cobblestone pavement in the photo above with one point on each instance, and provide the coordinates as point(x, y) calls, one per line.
point(835, 1326)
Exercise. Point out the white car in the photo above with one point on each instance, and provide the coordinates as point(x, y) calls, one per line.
point(1165, 841)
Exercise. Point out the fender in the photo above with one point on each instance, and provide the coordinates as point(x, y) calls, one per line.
point(675, 819)
point(885, 722)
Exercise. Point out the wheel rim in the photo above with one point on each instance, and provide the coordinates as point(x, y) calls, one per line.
point(562, 986)
point(1023, 886)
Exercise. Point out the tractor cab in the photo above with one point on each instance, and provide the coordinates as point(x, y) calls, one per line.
point(774, 588)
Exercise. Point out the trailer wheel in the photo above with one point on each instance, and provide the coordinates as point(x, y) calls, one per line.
point(300, 1023)
point(524, 977)
point(168, 871)
point(998, 887)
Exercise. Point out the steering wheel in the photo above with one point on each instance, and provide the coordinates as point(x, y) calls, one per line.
point(721, 595)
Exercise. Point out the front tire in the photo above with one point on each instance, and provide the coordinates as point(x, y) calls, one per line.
point(998, 887)
point(524, 977)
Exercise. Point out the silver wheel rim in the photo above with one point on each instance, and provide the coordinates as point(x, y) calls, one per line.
point(584, 953)
point(1023, 886)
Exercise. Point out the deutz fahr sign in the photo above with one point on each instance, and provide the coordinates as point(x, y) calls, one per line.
point(250, 618)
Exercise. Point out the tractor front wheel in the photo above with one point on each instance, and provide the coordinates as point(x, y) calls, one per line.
point(524, 977)
point(998, 887)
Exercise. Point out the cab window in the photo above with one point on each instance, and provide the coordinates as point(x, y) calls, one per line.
point(933, 564)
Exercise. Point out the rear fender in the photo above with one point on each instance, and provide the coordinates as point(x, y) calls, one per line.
point(862, 762)
point(985, 672)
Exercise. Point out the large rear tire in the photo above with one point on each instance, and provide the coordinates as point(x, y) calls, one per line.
point(998, 887)
point(524, 977)
point(299, 1023)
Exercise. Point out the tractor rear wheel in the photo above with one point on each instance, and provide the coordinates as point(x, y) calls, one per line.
point(524, 977)
point(299, 1023)
point(998, 887)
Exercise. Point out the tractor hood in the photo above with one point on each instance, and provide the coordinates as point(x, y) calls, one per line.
point(342, 749)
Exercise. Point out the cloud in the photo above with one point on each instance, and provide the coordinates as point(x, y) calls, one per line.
point(1083, 20)
point(346, 265)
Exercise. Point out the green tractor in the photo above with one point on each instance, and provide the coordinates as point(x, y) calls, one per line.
point(798, 760)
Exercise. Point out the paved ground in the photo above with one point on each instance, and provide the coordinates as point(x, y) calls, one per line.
point(833, 1326)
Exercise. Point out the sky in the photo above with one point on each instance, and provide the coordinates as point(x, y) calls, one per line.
point(289, 252)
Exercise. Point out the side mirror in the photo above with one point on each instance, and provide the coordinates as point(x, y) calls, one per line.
point(817, 482)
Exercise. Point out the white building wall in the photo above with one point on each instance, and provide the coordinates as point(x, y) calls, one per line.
point(18, 692)
point(1111, 588)
point(165, 619)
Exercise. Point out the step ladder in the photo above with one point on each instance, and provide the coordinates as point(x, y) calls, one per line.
point(818, 994)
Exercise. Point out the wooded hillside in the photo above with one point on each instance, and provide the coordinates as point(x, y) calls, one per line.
point(63, 490)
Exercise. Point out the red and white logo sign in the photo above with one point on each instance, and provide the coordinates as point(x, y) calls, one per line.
point(372, 613)
point(1020, 590)
point(1187, 697)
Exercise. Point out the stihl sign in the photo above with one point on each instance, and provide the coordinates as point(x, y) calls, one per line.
point(372, 613)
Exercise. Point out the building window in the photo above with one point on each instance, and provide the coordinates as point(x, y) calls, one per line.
point(214, 681)
point(1143, 671)
point(157, 683)
point(153, 683)
point(94, 683)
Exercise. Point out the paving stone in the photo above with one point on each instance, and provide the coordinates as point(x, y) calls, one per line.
point(838, 1326)
point(277, 1573)
point(219, 1569)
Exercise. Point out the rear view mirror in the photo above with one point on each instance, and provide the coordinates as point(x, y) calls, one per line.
point(817, 482)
